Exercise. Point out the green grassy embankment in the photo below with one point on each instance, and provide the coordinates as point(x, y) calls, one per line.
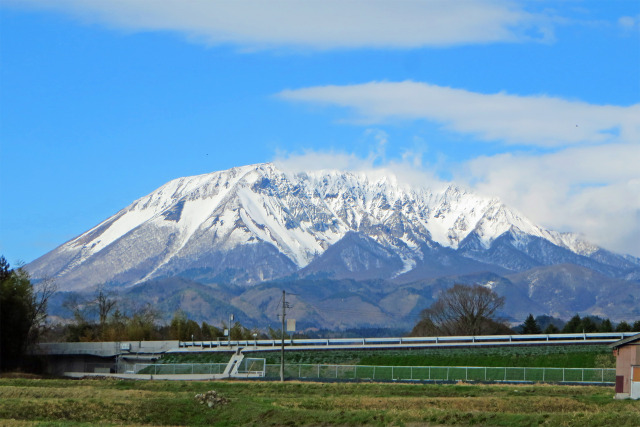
point(561, 356)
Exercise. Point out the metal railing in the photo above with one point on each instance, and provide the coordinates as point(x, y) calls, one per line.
point(253, 366)
point(396, 373)
point(598, 337)
point(178, 368)
point(445, 373)
point(247, 366)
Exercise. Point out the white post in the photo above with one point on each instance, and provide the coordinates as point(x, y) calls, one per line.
point(284, 305)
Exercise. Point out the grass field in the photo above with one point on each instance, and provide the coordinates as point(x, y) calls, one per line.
point(57, 402)
point(560, 356)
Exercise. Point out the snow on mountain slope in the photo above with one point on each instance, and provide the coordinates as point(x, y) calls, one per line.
point(207, 223)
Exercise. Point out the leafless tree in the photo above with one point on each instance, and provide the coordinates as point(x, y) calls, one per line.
point(42, 293)
point(462, 310)
point(86, 309)
point(104, 303)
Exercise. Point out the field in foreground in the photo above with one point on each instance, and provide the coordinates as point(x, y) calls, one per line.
point(57, 402)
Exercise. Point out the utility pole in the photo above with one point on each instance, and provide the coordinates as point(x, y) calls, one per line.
point(284, 305)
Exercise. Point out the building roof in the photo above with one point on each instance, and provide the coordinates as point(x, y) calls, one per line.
point(625, 341)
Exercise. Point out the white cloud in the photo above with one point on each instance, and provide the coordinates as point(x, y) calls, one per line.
point(593, 190)
point(589, 183)
point(406, 170)
point(512, 119)
point(629, 22)
point(319, 24)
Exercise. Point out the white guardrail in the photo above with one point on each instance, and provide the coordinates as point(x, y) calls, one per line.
point(599, 337)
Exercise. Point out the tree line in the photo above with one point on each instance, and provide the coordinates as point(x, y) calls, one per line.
point(100, 318)
point(474, 310)
point(460, 310)
point(577, 324)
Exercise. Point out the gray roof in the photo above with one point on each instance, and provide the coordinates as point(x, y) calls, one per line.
point(625, 341)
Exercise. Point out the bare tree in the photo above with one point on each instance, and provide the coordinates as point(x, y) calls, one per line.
point(104, 303)
point(85, 311)
point(42, 293)
point(462, 310)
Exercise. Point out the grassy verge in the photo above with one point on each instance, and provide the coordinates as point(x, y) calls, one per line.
point(119, 402)
point(561, 356)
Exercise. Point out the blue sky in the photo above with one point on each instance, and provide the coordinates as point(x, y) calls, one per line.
point(536, 102)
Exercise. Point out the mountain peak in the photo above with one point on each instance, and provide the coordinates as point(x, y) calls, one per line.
point(207, 223)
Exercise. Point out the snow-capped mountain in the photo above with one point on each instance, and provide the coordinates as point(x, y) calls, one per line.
point(268, 223)
point(256, 223)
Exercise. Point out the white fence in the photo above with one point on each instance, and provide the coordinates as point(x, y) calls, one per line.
point(394, 373)
point(445, 373)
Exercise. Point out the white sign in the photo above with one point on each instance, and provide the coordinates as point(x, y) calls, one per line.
point(291, 325)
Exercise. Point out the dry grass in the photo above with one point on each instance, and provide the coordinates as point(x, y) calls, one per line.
point(108, 402)
point(482, 404)
point(49, 393)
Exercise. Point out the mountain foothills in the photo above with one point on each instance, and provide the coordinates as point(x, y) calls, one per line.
point(353, 249)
